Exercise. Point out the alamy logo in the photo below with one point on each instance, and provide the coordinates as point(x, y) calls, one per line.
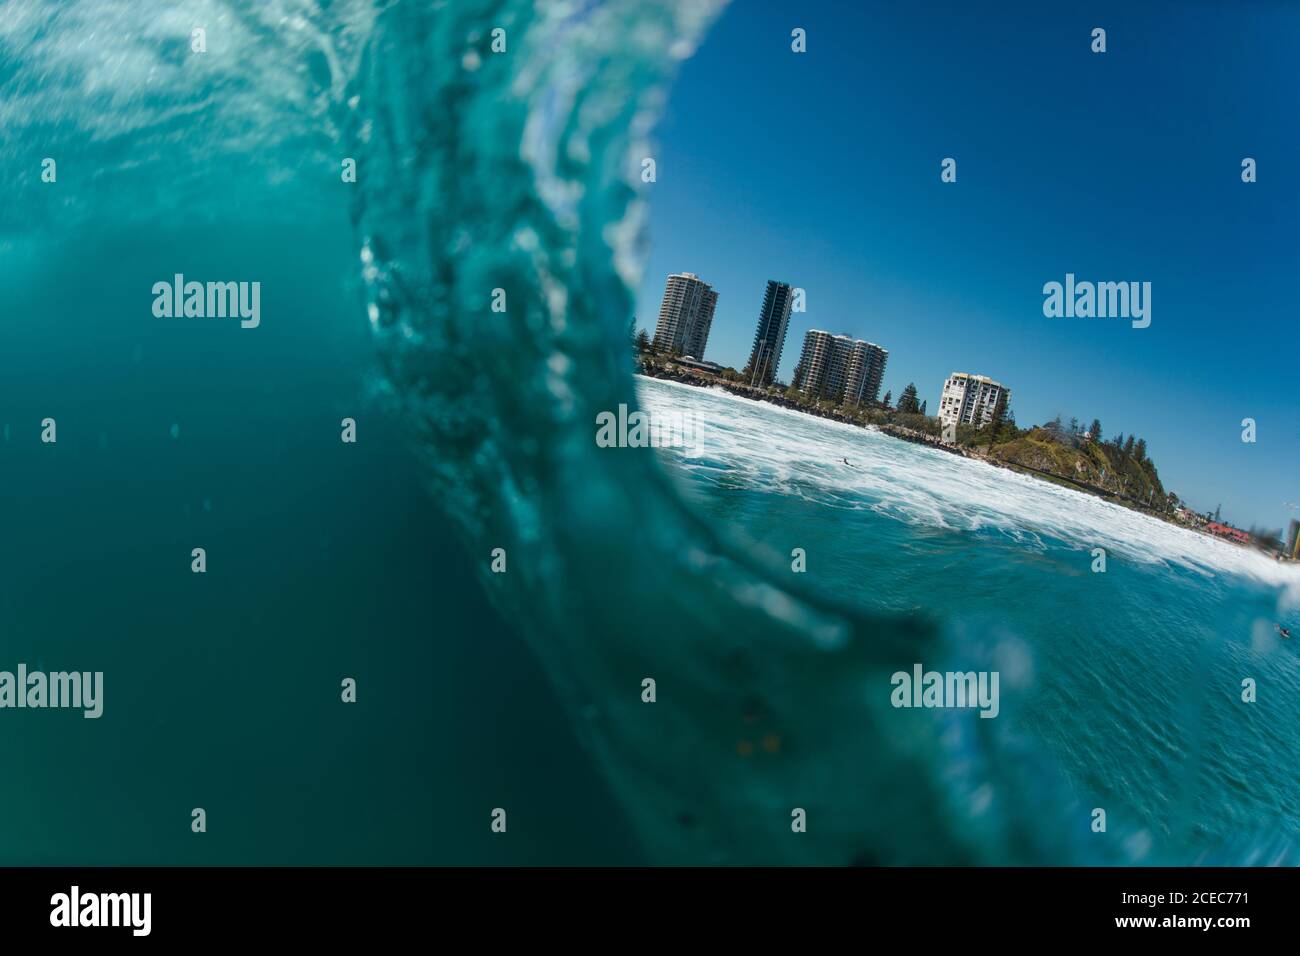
point(1101, 300)
point(102, 909)
point(923, 688)
point(649, 430)
point(209, 300)
point(59, 689)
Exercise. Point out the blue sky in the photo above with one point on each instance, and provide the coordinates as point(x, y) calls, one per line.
point(822, 169)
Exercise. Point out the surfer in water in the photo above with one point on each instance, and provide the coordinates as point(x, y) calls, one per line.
point(1282, 630)
point(846, 461)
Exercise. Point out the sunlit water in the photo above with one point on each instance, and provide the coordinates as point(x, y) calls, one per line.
point(479, 172)
point(1134, 683)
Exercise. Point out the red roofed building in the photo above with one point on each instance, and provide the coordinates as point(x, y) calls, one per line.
point(1229, 532)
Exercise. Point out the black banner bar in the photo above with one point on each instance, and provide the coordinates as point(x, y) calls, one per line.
point(337, 905)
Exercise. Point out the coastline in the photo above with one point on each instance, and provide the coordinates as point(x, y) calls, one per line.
point(705, 380)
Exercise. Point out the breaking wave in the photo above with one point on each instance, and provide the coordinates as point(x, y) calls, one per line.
point(779, 449)
point(481, 171)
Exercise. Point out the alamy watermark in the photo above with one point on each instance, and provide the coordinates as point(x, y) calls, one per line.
point(1100, 300)
point(208, 300)
point(923, 688)
point(75, 909)
point(653, 429)
point(59, 689)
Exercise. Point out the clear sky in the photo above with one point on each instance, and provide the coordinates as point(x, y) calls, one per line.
point(822, 169)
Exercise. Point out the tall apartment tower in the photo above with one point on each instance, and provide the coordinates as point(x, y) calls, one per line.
point(866, 372)
point(685, 316)
point(836, 366)
point(970, 399)
point(769, 337)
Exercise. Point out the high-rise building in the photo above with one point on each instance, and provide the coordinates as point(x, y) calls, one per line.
point(1293, 539)
point(769, 337)
point(838, 367)
point(685, 316)
point(970, 399)
point(814, 362)
point(866, 373)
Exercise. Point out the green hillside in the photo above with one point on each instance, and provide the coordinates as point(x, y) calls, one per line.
point(1117, 468)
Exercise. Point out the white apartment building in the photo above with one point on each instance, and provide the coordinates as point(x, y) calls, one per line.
point(841, 368)
point(970, 399)
point(685, 316)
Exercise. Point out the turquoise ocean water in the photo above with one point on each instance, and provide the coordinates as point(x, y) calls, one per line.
point(1127, 681)
point(478, 172)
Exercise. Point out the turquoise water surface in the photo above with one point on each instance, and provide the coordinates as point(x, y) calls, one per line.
point(523, 689)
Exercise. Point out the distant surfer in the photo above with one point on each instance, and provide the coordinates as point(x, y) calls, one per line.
point(846, 461)
point(1282, 630)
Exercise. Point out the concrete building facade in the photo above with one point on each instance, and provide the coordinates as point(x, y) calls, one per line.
point(970, 399)
point(841, 368)
point(685, 316)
